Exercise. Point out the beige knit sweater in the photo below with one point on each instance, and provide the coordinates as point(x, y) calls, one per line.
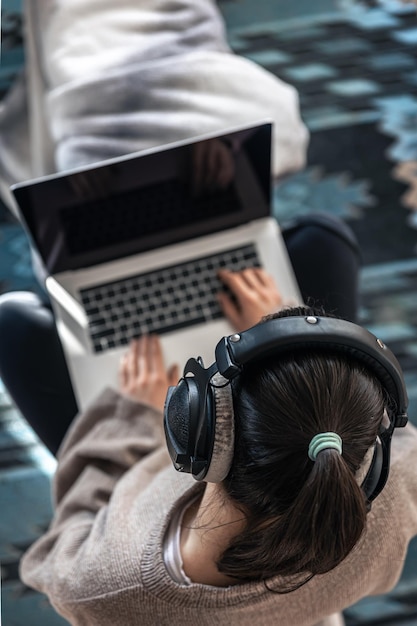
point(101, 561)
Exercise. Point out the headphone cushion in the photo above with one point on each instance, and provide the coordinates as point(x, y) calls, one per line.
point(178, 417)
point(224, 435)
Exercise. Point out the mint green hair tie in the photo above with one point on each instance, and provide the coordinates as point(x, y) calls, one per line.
point(324, 441)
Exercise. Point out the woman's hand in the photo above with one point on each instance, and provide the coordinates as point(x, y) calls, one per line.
point(254, 295)
point(143, 376)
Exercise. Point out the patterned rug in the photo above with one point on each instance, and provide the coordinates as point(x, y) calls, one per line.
point(356, 72)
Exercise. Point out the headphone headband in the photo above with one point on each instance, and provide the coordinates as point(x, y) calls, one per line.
point(286, 334)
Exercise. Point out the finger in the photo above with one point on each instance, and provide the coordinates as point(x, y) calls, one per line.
point(235, 281)
point(262, 286)
point(269, 289)
point(266, 279)
point(156, 357)
point(142, 355)
point(229, 309)
point(262, 276)
point(132, 358)
point(123, 371)
point(252, 278)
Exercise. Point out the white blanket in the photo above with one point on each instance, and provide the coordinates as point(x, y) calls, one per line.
point(108, 78)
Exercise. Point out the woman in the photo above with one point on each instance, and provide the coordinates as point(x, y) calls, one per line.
point(284, 538)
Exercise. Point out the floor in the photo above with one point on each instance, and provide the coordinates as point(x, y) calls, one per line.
point(355, 66)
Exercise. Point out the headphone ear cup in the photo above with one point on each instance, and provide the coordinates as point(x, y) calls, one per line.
point(180, 414)
point(224, 430)
point(374, 472)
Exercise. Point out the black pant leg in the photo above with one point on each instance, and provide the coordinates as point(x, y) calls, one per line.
point(326, 261)
point(33, 367)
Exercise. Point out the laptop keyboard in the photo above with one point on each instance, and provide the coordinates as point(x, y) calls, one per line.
point(160, 301)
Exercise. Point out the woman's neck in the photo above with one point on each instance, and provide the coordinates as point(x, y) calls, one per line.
point(208, 527)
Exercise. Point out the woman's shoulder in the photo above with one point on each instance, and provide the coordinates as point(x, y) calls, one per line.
point(394, 511)
point(404, 444)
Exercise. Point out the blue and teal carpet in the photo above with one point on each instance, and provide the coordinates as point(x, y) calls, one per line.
point(355, 66)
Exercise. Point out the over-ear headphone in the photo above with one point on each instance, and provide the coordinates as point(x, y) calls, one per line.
point(198, 415)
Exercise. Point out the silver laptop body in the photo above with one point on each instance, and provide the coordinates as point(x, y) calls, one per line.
point(132, 245)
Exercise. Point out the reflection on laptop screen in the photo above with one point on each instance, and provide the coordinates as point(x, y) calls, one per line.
point(147, 200)
point(142, 212)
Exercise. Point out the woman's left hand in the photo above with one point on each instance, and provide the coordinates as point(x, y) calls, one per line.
point(254, 296)
point(143, 375)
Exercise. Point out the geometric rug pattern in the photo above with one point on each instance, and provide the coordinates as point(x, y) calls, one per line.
point(356, 72)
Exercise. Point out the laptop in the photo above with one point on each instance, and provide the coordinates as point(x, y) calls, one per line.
point(132, 245)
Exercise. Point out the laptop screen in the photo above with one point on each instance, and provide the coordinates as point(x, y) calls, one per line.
point(148, 200)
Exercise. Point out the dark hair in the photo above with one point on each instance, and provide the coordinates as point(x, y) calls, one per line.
point(303, 517)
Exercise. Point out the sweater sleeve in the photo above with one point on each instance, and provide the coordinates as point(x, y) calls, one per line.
point(113, 438)
point(109, 438)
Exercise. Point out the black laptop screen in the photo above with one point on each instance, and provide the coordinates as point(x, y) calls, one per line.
point(148, 200)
